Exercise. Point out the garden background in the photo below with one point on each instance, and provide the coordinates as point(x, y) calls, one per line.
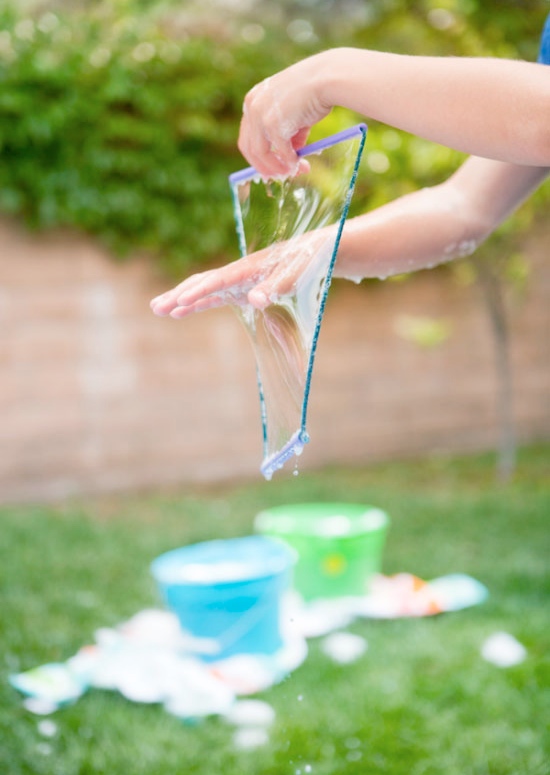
point(124, 435)
point(118, 127)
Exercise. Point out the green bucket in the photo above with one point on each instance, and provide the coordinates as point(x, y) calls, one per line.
point(339, 545)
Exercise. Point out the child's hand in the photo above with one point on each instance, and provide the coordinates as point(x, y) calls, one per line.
point(278, 114)
point(258, 279)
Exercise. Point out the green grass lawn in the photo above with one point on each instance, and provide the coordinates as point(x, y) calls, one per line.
point(421, 701)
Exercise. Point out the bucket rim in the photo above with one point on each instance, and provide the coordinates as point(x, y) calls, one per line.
point(281, 560)
point(313, 519)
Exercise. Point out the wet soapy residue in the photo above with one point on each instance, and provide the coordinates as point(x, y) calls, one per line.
point(282, 337)
point(298, 222)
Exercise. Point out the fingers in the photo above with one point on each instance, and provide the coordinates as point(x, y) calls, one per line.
point(278, 114)
point(226, 285)
point(162, 305)
point(279, 283)
point(272, 158)
point(292, 262)
point(231, 276)
point(199, 306)
point(299, 139)
point(269, 135)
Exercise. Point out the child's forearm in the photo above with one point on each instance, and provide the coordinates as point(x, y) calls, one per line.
point(437, 224)
point(495, 108)
point(414, 232)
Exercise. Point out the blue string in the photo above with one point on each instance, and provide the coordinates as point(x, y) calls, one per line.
point(328, 280)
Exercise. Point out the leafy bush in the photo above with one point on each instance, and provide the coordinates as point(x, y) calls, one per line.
point(120, 118)
point(115, 127)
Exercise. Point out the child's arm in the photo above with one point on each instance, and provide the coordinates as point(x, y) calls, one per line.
point(414, 232)
point(438, 224)
point(496, 108)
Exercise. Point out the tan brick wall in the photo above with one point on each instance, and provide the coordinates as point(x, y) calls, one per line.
point(96, 394)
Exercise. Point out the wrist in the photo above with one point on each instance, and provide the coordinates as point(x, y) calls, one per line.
point(342, 72)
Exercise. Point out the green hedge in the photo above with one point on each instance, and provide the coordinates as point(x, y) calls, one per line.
point(121, 118)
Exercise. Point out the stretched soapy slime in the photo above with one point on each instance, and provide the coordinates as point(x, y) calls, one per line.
point(298, 221)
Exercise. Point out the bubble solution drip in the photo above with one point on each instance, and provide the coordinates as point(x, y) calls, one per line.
point(294, 446)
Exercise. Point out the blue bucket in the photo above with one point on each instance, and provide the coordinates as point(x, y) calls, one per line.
point(226, 593)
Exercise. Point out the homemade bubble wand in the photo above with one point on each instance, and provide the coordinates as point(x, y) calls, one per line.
point(300, 219)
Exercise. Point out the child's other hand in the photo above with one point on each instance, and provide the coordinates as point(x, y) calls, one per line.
point(256, 280)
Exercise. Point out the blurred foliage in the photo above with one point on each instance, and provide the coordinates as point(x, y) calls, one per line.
point(426, 332)
point(120, 117)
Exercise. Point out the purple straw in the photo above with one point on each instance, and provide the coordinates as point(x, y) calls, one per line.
point(250, 172)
